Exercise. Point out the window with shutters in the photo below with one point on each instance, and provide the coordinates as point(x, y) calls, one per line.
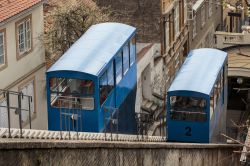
point(3, 57)
point(24, 36)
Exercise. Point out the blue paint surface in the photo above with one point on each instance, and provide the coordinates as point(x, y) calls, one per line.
point(199, 71)
point(88, 59)
point(95, 48)
point(197, 78)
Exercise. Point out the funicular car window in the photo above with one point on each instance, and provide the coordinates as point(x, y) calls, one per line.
point(187, 108)
point(72, 93)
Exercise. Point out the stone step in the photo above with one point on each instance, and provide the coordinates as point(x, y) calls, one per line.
point(154, 107)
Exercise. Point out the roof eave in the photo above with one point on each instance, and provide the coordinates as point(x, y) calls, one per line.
point(14, 17)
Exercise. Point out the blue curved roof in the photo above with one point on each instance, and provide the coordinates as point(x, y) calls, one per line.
point(94, 48)
point(199, 71)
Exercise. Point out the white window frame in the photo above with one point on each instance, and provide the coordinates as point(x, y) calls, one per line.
point(2, 45)
point(203, 15)
point(194, 27)
point(24, 36)
point(176, 20)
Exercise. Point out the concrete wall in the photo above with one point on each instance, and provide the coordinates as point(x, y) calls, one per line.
point(145, 59)
point(25, 152)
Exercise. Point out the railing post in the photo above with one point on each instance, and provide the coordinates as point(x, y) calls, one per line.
point(20, 112)
point(105, 125)
point(117, 123)
point(29, 100)
point(60, 106)
point(8, 108)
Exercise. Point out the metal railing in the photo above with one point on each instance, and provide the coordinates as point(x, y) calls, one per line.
point(111, 122)
point(70, 116)
point(19, 96)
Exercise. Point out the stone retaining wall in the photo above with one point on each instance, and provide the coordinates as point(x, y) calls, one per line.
point(43, 152)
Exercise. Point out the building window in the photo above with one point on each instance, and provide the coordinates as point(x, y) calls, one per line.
point(171, 28)
point(194, 26)
point(176, 20)
point(203, 16)
point(2, 49)
point(29, 90)
point(181, 12)
point(185, 11)
point(210, 8)
point(166, 27)
point(24, 36)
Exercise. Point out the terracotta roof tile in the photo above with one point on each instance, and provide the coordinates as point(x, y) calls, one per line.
point(9, 8)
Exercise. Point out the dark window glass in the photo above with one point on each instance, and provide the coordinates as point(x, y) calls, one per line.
point(106, 83)
point(187, 108)
point(72, 93)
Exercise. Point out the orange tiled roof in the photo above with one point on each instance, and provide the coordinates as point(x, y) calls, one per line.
point(9, 8)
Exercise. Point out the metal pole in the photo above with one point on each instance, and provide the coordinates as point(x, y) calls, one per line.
point(8, 108)
point(60, 106)
point(105, 125)
point(29, 100)
point(111, 123)
point(68, 121)
point(81, 121)
point(20, 113)
point(117, 127)
point(77, 123)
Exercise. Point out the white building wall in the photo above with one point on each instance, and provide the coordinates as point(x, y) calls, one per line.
point(18, 68)
point(29, 68)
